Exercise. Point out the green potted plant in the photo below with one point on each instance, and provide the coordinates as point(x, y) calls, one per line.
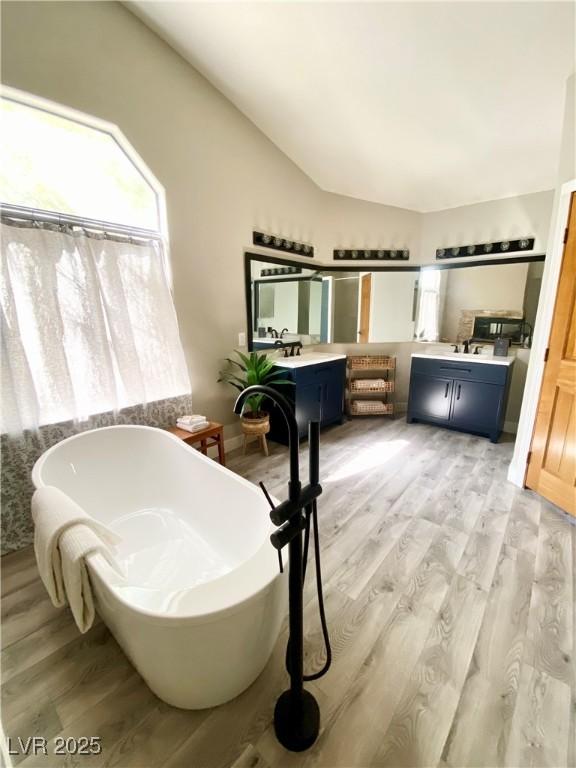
point(248, 370)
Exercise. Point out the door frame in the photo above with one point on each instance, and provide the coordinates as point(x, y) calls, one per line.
point(542, 329)
point(361, 306)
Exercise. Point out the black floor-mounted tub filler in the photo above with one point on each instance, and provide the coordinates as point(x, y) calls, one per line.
point(296, 715)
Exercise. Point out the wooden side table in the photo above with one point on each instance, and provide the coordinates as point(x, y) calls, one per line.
point(213, 434)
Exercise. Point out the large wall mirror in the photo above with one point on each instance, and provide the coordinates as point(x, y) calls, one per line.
point(289, 303)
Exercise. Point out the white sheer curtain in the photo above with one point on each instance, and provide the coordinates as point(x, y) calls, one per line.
point(88, 326)
point(427, 327)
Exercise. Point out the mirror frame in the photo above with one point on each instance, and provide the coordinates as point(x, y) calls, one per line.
point(318, 266)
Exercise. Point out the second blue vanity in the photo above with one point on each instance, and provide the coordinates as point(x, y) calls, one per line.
point(463, 392)
point(317, 391)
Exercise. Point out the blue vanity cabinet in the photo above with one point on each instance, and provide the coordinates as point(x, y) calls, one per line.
point(469, 396)
point(317, 393)
point(431, 396)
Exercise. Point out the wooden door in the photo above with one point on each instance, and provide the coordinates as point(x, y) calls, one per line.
point(365, 291)
point(552, 459)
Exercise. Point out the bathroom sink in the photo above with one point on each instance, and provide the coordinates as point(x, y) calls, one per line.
point(308, 358)
point(469, 358)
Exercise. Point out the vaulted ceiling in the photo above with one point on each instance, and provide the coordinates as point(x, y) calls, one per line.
point(422, 105)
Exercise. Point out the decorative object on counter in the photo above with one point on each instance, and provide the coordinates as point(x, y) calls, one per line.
point(379, 387)
point(501, 347)
point(280, 271)
point(397, 254)
point(502, 246)
point(210, 435)
point(249, 370)
point(282, 244)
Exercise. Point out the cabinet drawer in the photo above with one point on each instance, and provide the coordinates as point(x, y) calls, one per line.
point(461, 369)
point(333, 368)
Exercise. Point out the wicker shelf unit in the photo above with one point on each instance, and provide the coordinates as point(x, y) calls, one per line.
point(370, 383)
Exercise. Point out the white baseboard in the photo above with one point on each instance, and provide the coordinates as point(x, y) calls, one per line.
point(511, 427)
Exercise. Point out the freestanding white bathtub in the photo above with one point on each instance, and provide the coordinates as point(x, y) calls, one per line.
point(200, 607)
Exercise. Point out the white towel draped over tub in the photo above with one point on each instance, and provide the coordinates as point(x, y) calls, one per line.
point(64, 535)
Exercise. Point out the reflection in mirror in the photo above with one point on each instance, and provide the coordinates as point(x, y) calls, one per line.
point(373, 306)
point(286, 305)
point(479, 302)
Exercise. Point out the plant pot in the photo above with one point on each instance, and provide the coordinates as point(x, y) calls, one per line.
point(255, 425)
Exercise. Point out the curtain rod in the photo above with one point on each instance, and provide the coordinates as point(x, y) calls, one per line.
point(50, 217)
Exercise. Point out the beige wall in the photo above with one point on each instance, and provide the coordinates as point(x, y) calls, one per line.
point(350, 223)
point(222, 176)
point(567, 162)
point(508, 219)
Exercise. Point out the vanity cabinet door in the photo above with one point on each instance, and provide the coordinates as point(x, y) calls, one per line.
point(331, 379)
point(476, 405)
point(430, 397)
point(308, 404)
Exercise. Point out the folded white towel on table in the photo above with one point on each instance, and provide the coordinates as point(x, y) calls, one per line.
point(64, 535)
point(194, 418)
point(198, 427)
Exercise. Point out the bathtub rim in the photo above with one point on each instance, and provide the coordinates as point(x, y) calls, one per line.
point(41, 460)
point(109, 577)
point(98, 565)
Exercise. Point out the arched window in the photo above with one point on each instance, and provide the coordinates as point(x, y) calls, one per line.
point(88, 322)
point(71, 164)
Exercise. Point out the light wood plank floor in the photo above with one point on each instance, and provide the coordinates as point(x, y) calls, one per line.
point(450, 597)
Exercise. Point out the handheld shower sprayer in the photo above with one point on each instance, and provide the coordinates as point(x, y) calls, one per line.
point(296, 715)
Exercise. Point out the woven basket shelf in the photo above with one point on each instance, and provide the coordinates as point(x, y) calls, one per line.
point(371, 386)
point(370, 408)
point(371, 363)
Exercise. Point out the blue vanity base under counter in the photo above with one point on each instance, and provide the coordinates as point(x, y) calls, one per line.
point(460, 393)
point(317, 392)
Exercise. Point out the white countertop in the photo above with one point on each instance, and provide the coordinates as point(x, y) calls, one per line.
point(460, 357)
point(308, 358)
